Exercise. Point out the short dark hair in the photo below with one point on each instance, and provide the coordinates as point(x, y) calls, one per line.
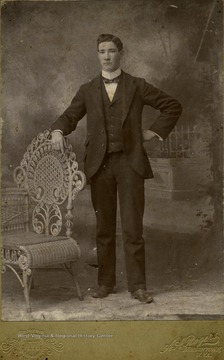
point(110, 37)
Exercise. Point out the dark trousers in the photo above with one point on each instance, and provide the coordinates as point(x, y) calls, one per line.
point(117, 176)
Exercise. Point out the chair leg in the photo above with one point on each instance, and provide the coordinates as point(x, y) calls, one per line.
point(31, 285)
point(75, 277)
point(26, 291)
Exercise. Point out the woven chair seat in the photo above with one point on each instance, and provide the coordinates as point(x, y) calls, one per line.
point(41, 250)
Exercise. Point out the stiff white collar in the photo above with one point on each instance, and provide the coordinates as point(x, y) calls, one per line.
point(111, 75)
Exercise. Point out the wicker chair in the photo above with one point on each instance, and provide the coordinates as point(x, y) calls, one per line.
point(48, 179)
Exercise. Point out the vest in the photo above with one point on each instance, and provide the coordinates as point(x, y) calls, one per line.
point(113, 116)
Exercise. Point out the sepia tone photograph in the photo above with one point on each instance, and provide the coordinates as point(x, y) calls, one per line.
point(112, 160)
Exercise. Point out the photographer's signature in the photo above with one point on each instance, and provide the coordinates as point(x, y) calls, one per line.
point(203, 347)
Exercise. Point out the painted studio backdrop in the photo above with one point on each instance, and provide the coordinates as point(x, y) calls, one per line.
point(49, 50)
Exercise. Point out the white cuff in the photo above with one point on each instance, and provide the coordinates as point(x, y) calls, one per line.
point(160, 138)
point(57, 130)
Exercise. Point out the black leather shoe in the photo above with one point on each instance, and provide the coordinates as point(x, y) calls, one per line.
point(142, 295)
point(102, 292)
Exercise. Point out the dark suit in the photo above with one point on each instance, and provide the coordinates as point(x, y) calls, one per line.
point(123, 171)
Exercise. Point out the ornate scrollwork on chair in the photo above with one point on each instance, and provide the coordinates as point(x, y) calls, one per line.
point(50, 178)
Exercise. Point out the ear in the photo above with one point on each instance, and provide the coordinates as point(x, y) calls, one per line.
point(122, 53)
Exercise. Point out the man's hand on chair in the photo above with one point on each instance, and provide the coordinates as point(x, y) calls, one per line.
point(58, 141)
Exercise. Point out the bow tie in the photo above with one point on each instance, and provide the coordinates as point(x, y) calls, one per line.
point(111, 81)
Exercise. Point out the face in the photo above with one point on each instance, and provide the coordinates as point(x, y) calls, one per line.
point(109, 56)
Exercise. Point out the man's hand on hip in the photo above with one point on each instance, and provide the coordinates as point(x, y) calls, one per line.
point(58, 141)
point(148, 135)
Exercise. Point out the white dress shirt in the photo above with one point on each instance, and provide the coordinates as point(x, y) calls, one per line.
point(111, 88)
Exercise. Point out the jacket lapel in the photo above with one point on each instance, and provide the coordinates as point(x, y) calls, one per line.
point(128, 91)
point(96, 95)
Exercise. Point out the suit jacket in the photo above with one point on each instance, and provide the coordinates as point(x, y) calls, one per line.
point(136, 93)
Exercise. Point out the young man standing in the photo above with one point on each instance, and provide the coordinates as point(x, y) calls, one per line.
point(115, 160)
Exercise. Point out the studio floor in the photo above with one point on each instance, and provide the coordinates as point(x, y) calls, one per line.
point(185, 281)
point(54, 298)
